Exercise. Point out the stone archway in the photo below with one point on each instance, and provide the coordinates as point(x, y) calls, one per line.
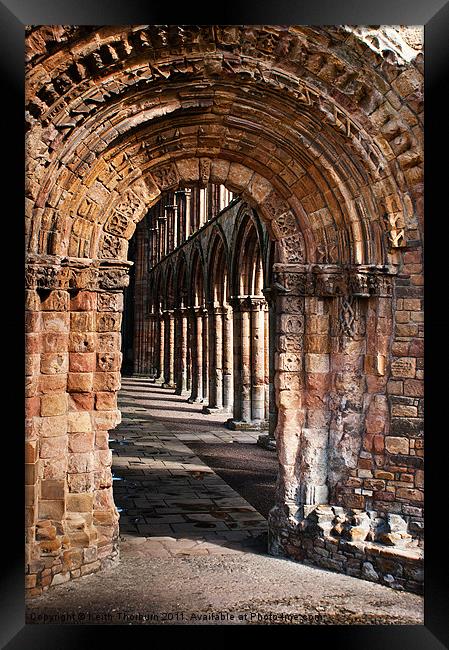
point(333, 167)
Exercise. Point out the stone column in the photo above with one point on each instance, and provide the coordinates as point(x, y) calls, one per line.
point(150, 344)
point(197, 356)
point(289, 385)
point(315, 432)
point(257, 355)
point(242, 364)
point(218, 313)
point(190, 335)
point(72, 371)
point(181, 380)
point(268, 441)
point(246, 361)
point(154, 346)
point(188, 199)
point(205, 355)
point(162, 220)
point(266, 364)
point(169, 351)
point(177, 347)
point(160, 350)
point(216, 360)
point(228, 378)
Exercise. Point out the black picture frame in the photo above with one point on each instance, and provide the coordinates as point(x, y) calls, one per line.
point(434, 15)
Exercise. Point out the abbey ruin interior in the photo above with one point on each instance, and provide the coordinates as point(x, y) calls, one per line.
point(233, 214)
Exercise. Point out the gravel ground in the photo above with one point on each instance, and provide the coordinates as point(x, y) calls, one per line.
point(241, 589)
point(249, 469)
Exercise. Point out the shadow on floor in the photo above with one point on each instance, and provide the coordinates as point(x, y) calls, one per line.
point(248, 469)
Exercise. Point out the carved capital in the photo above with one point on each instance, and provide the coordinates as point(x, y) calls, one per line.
point(327, 280)
point(76, 273)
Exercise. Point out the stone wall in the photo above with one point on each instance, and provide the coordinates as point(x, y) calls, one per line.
point(365, 544)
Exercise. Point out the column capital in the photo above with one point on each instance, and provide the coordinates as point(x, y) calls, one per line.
point(270, 296)
point(70, 273)
point(198, 310)
point(247, 303)
point(214, 307)
point(330, 280)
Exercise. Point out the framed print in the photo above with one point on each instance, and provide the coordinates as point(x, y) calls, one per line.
point(224, 320)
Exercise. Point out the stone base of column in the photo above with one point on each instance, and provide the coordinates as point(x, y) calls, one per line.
point(210, 410)
point(168, 385)
point(182, 393)
point(239, 425)
point(267, 442)
point(356, 544)
point(195, 400)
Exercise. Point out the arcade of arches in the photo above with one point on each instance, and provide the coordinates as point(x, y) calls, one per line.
point(201, 319)
point(256, 194)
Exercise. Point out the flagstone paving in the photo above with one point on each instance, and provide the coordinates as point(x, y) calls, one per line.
point(170, 502)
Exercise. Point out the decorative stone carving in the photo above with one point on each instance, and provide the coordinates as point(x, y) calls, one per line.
point(112, 247)
point(274, 205)
point(351, 318)
point(205, 165)
point(294, 247)
point(396, 230)
point(328, 280)
point(75, 274)
point(117, 224)
point(166, 176)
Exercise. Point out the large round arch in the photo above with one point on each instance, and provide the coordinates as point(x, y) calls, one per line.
point(319, 130)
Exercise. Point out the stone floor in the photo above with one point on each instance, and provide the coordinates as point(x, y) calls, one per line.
point(170, 502)
point(193, 551)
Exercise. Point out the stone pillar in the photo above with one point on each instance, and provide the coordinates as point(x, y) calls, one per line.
point(162, 221)
point(181, 380)
point(197, 356)
point(150, 344)
point(205, 355)
point(266, 361)
point(289, 385)
point(72, 371)
point(245, 355)
point(154, 345)
point(215, 360)
point(242, 364)
point(268, 441)
point(257, 365)
point(346, 402)
point(190, 335)
point(160, 348)
point(218, 375)
point(315, 432)
point(188, 199)
point(171, 210)
point(228, 378)
point(169, 350)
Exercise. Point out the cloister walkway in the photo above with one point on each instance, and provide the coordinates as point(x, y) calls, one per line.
point(170, 502)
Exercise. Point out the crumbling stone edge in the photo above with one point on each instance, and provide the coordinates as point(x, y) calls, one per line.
point(369, 545)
